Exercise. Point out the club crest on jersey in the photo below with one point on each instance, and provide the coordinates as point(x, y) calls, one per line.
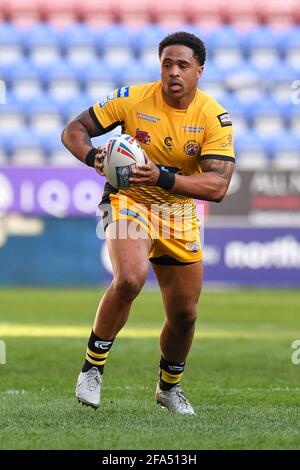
point(142, 136)
point(192, 148)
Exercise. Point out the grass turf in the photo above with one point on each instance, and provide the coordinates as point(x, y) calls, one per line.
point(239, 374)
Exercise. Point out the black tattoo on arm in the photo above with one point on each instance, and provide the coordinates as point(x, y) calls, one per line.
point(89, 127)
point(222, 168)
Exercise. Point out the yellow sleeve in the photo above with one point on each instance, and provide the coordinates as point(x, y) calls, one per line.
point(110, 111)
point(218, 139)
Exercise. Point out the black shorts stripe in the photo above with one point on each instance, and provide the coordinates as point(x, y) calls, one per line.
point(218, 157)
point(169, 261)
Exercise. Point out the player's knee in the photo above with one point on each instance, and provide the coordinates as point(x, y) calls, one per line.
point(185, 318)
point(129, 285)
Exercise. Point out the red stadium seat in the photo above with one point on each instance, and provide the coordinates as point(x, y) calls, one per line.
point(169, 14)
point(134, 14)
point(23, 13)
point(61, 13)
point(278, 14)
point(205, 15)
point(241, 14)
point(96, 13)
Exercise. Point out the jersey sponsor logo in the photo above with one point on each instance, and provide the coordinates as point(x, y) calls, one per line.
point(224, 119)
point(168, 144)
point(147, 117)
point(192, 148)
point(142, 136)
point(106, 99)
point(123, 92)
point(192, 129)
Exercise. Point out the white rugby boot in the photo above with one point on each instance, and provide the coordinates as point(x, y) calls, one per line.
point(174, 400)
point(88, 388)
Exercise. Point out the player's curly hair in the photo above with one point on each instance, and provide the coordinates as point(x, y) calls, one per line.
point(185, 39)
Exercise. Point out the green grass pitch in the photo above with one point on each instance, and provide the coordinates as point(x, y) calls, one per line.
point(239, 375)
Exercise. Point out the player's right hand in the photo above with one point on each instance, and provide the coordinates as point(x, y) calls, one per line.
point(99, 161)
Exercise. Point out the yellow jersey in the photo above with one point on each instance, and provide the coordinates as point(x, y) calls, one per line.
point(174, 139)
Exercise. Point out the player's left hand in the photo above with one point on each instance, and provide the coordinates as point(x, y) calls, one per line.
point(145, 175)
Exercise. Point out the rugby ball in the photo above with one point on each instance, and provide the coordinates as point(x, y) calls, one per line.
point(122, 153)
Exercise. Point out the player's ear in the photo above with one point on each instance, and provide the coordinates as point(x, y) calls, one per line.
point(200, 70)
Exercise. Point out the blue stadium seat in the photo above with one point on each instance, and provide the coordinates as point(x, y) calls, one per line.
point(26, 150)
point(267, 117)
point(212, 81)
point(11, 50)
point(24, 80)
point(72, 107)
point(56, 152)
point(224, 44)
point(43, 116)
point(261, 46)
point(290, 46)
point(78, 44)
point(285, 151)
point(293, 114)
point(114, 42)
point(41, 44)
point(251, 151)
point(145, 44)
point(244, 80)
point(279, 80)
point(62, 81)
point(238, 112)
point(98, 80)
point(12, 116)
point(135, 74)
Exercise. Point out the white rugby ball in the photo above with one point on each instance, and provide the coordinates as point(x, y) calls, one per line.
point(122, 153)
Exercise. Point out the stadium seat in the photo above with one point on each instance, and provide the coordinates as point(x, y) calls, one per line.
point(60, 14)
point(279, 79)
point(62, 82)
point(145, 44)
point(41, 44)
point(26, 150)
point(10, 45)
point(43, 116)
point(24, 80)
point(245, 82)
point(169, 14)
point(136, 74)
point(97, 13)
point(205, 15)
point(290, 47)
point(74, 106)
point(212, 81)
point(133, 14)
point(98, 80)
point(286, 151)
point(279, 15)
point(78, 44)
point(56, 152)
point(238, 113)
point(23, 14)
point(224, 45)
point(251, 151)
point(114, 42)
point(261, 47)
point(266, 116)
point(12, 116)
point(240, 15)
point(293, 114)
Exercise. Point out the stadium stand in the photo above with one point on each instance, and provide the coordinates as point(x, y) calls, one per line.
point(59, 58)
